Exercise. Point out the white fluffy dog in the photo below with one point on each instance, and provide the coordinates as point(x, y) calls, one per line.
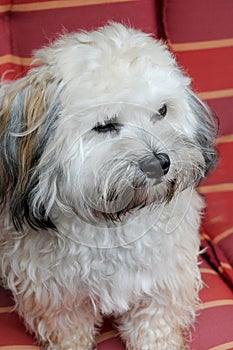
point(101, 145)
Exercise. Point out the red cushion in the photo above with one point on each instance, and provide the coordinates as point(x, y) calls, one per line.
point(213, 327)
point(218, 192)
point(200, 33)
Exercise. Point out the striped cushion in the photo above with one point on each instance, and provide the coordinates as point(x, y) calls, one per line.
point(213, 327)
point(200, 33)
point(205, 52)
point(217, 223)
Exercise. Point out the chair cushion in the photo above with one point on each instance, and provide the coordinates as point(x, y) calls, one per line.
point(200, 34)
point(217, 225)
point(213, 327)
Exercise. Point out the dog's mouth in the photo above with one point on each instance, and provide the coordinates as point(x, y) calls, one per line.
point(139, 201)
point(116, 205)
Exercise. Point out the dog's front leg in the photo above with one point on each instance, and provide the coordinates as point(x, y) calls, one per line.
point(151, 327)
point(60, 325)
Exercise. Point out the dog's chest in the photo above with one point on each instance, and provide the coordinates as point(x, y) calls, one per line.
point(116, 268)
point(118, 277)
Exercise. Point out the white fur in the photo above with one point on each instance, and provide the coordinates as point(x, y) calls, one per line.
point(142, 268)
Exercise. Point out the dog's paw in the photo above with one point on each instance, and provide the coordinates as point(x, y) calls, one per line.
point(73, 343)
point(156, 346)
point(174, 342)
point(70, 347)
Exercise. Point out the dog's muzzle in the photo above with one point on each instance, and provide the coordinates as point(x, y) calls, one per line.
point(121, 185)
point(155, 165)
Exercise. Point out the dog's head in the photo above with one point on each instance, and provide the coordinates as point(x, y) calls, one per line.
point(106, 124)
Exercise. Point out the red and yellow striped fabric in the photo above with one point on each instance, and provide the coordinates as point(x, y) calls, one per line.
point(213, 327)
point(201, 35)
point(218, 223)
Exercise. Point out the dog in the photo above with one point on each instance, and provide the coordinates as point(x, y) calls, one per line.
point(102, 144)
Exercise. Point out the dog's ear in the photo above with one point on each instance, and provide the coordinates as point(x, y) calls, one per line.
point(206, 130)
point(29, 109)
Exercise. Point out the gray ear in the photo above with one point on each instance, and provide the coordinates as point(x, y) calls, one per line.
point(206, 131)
point(29, 110)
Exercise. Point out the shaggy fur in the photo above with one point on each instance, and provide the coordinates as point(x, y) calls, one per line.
point(101, 146)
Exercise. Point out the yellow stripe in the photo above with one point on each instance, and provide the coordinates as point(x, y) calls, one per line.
point(49, 5)
point(106, 336)
point(201, 45)
point(19, 347)
point(209, 271)
point(215, 303)
point(225, 346)
point(226, 266)
point(210, 95)
point(23, 61)
point(224, 139)
point(216, 188)
point(204, 236)
point(223, 235)
point(6, 309)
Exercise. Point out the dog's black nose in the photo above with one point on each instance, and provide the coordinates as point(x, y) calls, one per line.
point(164, 162)
point(155, 165)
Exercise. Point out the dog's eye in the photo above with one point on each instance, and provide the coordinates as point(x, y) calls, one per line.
point(162, 111)
point(108, 126)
